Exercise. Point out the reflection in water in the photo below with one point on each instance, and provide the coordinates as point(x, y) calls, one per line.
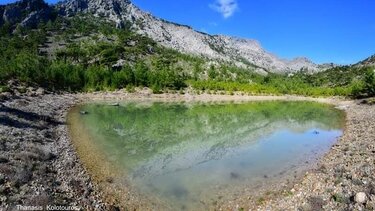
point(187, 154)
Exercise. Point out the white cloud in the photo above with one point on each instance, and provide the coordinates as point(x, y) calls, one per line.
point(225, 7)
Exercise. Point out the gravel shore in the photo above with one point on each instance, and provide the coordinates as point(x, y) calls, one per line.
point(39, 165)
point(345, 178)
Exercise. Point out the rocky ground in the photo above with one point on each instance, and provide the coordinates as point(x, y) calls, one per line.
point(39, 165)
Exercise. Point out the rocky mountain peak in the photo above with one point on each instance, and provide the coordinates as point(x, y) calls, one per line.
point(370, 61)
point(27, 13)
point(103, 7)
point(301, 59)
point(241, 52)
point(113, 10)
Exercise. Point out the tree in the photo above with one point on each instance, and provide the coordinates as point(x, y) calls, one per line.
point(97, 77)
point(141, 74)
point(123, 78)
point(5, 29)
point(369, 83)
point(212, 72)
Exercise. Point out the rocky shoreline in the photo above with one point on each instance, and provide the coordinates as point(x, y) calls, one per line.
point(39, 165)
point(345, 178)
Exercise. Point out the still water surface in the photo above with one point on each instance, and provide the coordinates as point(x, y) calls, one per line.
point(190, 155)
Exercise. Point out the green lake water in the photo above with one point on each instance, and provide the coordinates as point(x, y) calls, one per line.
point(191, 155)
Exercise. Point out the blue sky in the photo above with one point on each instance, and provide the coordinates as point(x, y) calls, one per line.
point(340, 31)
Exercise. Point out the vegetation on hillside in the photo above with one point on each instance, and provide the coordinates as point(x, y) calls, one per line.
point(86, 54)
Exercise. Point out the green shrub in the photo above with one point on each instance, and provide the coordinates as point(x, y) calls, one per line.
point(65, 76)
point(369, 83)
point(141, 74)
point(123, 78)
point(130, 88)
point(97, 78)
point(4, 89)
point(365, 87)
point(156, 89)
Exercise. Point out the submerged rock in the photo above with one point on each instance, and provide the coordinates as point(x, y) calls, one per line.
point(234, 175)
point(84, 112)
point(114, 104)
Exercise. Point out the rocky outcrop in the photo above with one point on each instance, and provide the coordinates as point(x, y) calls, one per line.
point(35, 17)
point(113, 10)
point(367, 62)
point(242, 52)
point(27, 13)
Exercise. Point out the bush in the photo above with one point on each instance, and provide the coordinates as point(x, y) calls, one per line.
point(123, 78)
point(357, 88)
point(365, 87)
point(97, 78)
point(130, 88)
point(369, 83)
point(156, 89)
point(64, 76)
point(141, 74)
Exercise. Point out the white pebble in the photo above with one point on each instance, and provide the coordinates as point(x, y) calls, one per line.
point(360, 197)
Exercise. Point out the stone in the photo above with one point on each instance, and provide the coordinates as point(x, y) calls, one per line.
point(6, 95)
point(360, 197)
point(40, 91)
point(83, 112)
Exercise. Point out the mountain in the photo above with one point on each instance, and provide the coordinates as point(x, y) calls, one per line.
point(243, 52)
point(93, 45)
point(367, 62)
point(240, 52)
point(28, 13)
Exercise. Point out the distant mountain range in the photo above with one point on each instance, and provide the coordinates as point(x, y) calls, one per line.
point(241, 52)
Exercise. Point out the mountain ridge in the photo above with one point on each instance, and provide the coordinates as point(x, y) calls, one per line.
point(77, 47)
point(242, 52)
point(370, 61)
point(187, 40)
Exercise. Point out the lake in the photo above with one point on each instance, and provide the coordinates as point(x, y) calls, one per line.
point(190, 156)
